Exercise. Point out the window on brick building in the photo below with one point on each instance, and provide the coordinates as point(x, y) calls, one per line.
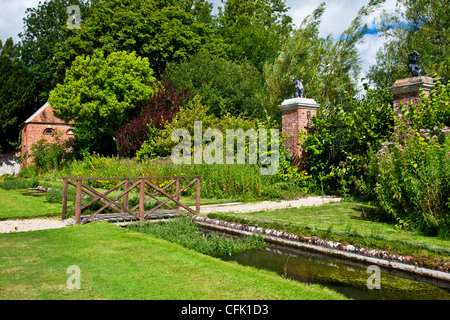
point(48, 131)
point(69, 132)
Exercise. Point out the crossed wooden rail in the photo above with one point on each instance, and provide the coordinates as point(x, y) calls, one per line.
point(129, 185)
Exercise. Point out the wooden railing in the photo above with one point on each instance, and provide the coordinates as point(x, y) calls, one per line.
point(129, 183)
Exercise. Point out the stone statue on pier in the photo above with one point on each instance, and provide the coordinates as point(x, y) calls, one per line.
point(413, 64)
point(299, 89)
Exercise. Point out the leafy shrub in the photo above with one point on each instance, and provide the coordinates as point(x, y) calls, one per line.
point(227, 181)
point(48, 155)
point(412, 169)
point(155, 113)
point(184, 231)
point(339, 143)
point(160, 142)
point(16, 183)
point(55, 195)
point(414, 182)
point(95, 165)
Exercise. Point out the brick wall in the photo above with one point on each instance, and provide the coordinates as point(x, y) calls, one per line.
point(406, 99)
point(296, 118)
point(290, 121)
point(407, 91)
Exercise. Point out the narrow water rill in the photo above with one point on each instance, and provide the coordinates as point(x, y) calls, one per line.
point(344, 276)
point(354, 279)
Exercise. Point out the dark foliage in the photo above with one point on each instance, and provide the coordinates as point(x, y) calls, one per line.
point(18, 100)
point(155, 112)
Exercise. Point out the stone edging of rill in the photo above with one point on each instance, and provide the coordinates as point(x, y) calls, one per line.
point(378, 257)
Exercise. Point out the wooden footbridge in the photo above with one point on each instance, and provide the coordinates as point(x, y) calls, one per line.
point(148, 188)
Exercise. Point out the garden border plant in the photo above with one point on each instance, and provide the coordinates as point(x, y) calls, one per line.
point(182, 230)
point(412, 169)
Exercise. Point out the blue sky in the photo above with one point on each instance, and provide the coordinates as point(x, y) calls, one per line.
point(335, 20)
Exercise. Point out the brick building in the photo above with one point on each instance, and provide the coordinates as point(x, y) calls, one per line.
point(42, 125)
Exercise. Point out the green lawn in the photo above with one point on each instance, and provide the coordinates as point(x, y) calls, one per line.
point(345, 222)
point(117, 263)
point(121, 264)
point(16, 204)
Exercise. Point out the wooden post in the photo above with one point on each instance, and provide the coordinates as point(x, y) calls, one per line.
point(64, 199)
point(78, 203)
point(141, 199)
point(177, 189)
point(197, 194)
point(125, 197)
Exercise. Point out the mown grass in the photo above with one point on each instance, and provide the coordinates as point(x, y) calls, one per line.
point(23, 204)
point(117, 263)
point(345, 222)
point(348, 223)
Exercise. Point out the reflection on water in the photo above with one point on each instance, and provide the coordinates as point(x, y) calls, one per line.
point(32, 193)
point(346, 277)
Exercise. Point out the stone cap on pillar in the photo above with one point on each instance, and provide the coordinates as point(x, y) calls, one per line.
point(410, 85)
point(298, 103)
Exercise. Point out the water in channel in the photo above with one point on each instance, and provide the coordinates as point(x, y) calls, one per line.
point(346, 277)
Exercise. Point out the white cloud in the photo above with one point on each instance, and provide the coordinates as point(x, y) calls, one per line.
point(336, 18)
point(368, 49)
point(338, 13)
point(11, 14)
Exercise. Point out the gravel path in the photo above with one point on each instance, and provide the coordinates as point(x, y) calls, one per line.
point(22, 225)
point(269, 205)
point(8, 226)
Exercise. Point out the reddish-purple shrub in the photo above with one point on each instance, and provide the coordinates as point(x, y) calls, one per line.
point(156, 112)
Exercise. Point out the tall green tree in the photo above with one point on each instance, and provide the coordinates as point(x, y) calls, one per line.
point(45, 27)
point(18, 95)
point(422, 26)
point(201, 10)
point(161, 30)
point(254, 30)
point(327, 67)
point(224, 86)
point(99, 95)
point(10, 49)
